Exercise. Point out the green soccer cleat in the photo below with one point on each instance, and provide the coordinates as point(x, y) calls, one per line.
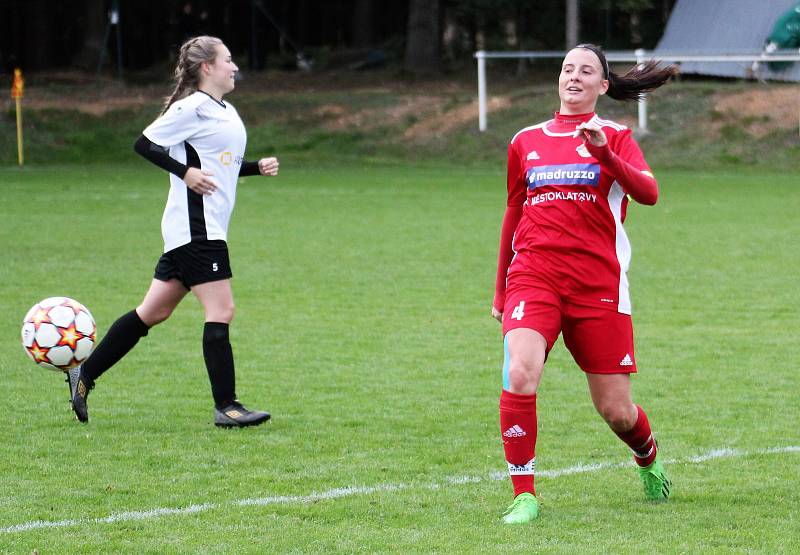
point(525, 508)
point(656, 483)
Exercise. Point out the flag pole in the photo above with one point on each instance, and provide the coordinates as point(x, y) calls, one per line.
point(17, 89)
point(20, 155)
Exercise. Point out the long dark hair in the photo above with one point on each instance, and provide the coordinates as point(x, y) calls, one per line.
point(640, 79)
point(193, 52)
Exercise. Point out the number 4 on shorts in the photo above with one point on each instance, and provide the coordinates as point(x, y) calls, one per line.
point(519, 311)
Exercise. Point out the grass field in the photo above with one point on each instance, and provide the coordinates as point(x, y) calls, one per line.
point(363, 297)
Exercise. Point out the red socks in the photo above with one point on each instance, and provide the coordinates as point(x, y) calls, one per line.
point(640, 440)
point(518, 429)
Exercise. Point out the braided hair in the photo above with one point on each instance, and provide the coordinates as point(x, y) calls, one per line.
point(640, 79)
point(193, 53)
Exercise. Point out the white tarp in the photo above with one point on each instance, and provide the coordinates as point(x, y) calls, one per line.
point(725, 26)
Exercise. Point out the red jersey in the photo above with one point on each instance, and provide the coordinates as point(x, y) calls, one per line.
point(573, 202)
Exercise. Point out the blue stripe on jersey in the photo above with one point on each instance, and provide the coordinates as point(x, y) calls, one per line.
point(564, 174)
point(505, 363)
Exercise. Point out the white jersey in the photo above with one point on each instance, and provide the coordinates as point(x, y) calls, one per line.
point(201, 133)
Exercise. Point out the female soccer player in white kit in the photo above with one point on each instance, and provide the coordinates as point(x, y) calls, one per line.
point(563, 261)
point(200, 140)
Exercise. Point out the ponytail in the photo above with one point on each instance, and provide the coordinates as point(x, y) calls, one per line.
point(637, 81)
point(193, 53)
point(177, 92)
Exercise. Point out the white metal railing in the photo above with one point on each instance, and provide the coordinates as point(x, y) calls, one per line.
point(639, 56)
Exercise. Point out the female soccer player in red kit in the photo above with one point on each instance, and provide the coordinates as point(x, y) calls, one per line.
point(563, 261)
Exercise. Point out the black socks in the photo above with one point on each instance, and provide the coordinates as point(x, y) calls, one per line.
point(125, 333)
point(219, 363)
point(122, 336)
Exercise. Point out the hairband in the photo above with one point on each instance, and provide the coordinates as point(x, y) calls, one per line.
point(598, 53)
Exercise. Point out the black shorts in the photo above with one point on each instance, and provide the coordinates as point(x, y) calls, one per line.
point(195, 263)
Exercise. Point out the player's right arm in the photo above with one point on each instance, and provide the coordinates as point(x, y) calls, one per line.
point(179, 123)
point(625, 161)
point(196, 179)
point(159, 156)
point(515, 183)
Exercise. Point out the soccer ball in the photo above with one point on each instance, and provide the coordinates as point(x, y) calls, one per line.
point(58, 333)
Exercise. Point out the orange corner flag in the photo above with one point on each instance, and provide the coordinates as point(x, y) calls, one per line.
point(17, 90)
point(18, 86)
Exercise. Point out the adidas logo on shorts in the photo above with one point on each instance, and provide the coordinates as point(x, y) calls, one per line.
point(627, 361)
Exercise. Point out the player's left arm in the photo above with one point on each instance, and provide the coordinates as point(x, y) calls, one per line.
point(266, 166)
point(623, 160)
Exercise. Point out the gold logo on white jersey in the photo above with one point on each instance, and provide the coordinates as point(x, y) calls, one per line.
point(226, 158)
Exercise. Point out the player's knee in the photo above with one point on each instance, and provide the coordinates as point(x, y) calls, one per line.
point(617, 416)
point(154, 316)
point(521, 376)
point(223, 313)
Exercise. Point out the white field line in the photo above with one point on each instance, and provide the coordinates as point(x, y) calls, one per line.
point(350, 491)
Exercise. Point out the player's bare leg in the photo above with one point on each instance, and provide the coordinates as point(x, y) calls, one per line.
point(160, 301)
point(611, 395)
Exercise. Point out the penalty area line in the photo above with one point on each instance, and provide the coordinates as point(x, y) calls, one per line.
point(350, 491)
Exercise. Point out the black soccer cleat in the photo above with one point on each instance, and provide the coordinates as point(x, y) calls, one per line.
point(236, 416)
point(79, 388)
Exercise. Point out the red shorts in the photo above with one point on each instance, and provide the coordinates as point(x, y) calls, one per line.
point(600, 340)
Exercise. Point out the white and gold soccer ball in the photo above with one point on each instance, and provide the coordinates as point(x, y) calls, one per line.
point(58, 333)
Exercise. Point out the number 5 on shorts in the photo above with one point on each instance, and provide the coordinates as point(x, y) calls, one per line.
point(519, 311)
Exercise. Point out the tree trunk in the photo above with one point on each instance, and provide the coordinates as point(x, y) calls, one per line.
point(573, 29)
point(37, 39)
point(521, 32)
point(422, 37)
point(362, 23)
point(94, 20)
